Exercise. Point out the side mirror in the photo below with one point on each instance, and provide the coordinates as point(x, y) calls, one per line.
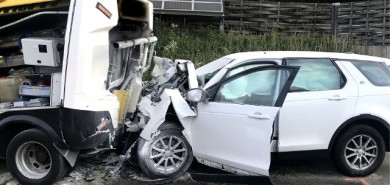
point(197, 95)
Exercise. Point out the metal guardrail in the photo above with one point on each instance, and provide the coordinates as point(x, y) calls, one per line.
point(189, 7)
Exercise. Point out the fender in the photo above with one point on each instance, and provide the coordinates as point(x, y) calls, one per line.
point(355, 119)
point(157, 112)
point(69, 155)
point(33, 121)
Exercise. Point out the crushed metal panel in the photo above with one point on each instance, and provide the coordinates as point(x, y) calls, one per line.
point(157, 111)
point(134, 91)
point(192, 80)
point(122, 98)
point(181, 107)
point(213, 66)
point(163, 70)
point(190, 68)
point(186, 123)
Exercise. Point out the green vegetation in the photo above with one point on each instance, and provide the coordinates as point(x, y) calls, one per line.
point(204, 45)
point(316, 1)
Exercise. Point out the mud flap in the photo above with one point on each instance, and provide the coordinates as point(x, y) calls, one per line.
point(69, 155)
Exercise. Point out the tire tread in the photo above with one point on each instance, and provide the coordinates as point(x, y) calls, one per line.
point(338, 152)
point(166, 128)
point(58, 163)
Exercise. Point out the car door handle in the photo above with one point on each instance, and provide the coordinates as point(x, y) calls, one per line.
point(259, 115)
point(337, 98)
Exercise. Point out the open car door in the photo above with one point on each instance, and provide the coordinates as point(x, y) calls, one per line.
point(233, 131)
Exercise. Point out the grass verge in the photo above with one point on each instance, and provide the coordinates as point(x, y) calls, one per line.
point(203, 45)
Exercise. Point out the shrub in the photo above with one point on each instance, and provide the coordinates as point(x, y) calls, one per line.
point(203, 45)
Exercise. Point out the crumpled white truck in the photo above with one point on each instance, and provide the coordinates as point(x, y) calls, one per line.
point(64, 67)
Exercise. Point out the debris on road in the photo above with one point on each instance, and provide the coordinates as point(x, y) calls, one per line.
point(5, 178)
point(107, 169)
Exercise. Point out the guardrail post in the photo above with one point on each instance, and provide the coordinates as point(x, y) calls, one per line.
point(222, 18)
point(334, 18)
point(222, 24)
point(384, 22)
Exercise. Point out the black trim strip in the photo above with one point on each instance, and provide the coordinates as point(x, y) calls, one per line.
point(250, 63)
point(300, 155)
point(283, 93)
point(67, 54)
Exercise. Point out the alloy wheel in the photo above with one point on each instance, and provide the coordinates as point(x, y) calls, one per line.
point(361, 152)
point(168, 154)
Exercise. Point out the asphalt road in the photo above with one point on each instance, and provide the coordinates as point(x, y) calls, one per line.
point(323, 172)
point(306, 172)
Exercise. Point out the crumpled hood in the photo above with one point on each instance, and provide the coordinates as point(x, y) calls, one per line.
point(213, 66)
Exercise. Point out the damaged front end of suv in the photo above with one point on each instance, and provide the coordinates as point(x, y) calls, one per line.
point(158, 129)
point(149, 109)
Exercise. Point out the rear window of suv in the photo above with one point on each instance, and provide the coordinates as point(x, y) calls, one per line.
point(377, 73)
point(317, 74)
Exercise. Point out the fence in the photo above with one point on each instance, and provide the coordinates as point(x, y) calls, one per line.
point(366, 21)
point(380, 51)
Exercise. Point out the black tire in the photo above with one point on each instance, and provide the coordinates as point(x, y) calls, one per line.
point(144, 152)
point(38, 151)
point(340, 152)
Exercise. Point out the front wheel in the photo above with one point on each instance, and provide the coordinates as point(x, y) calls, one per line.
point(167, 155)
point(359, 151)
point(32, 158)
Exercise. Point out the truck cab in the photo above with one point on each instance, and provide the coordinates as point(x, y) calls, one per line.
point(70, 73)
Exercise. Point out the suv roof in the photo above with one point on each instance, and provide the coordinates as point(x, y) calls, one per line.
point(304, 54)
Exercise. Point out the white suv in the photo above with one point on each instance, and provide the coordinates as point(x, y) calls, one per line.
point(256, 103)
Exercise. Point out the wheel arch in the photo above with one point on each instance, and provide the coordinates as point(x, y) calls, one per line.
point(364, 119)
point(12, 125)
point(172, 117)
